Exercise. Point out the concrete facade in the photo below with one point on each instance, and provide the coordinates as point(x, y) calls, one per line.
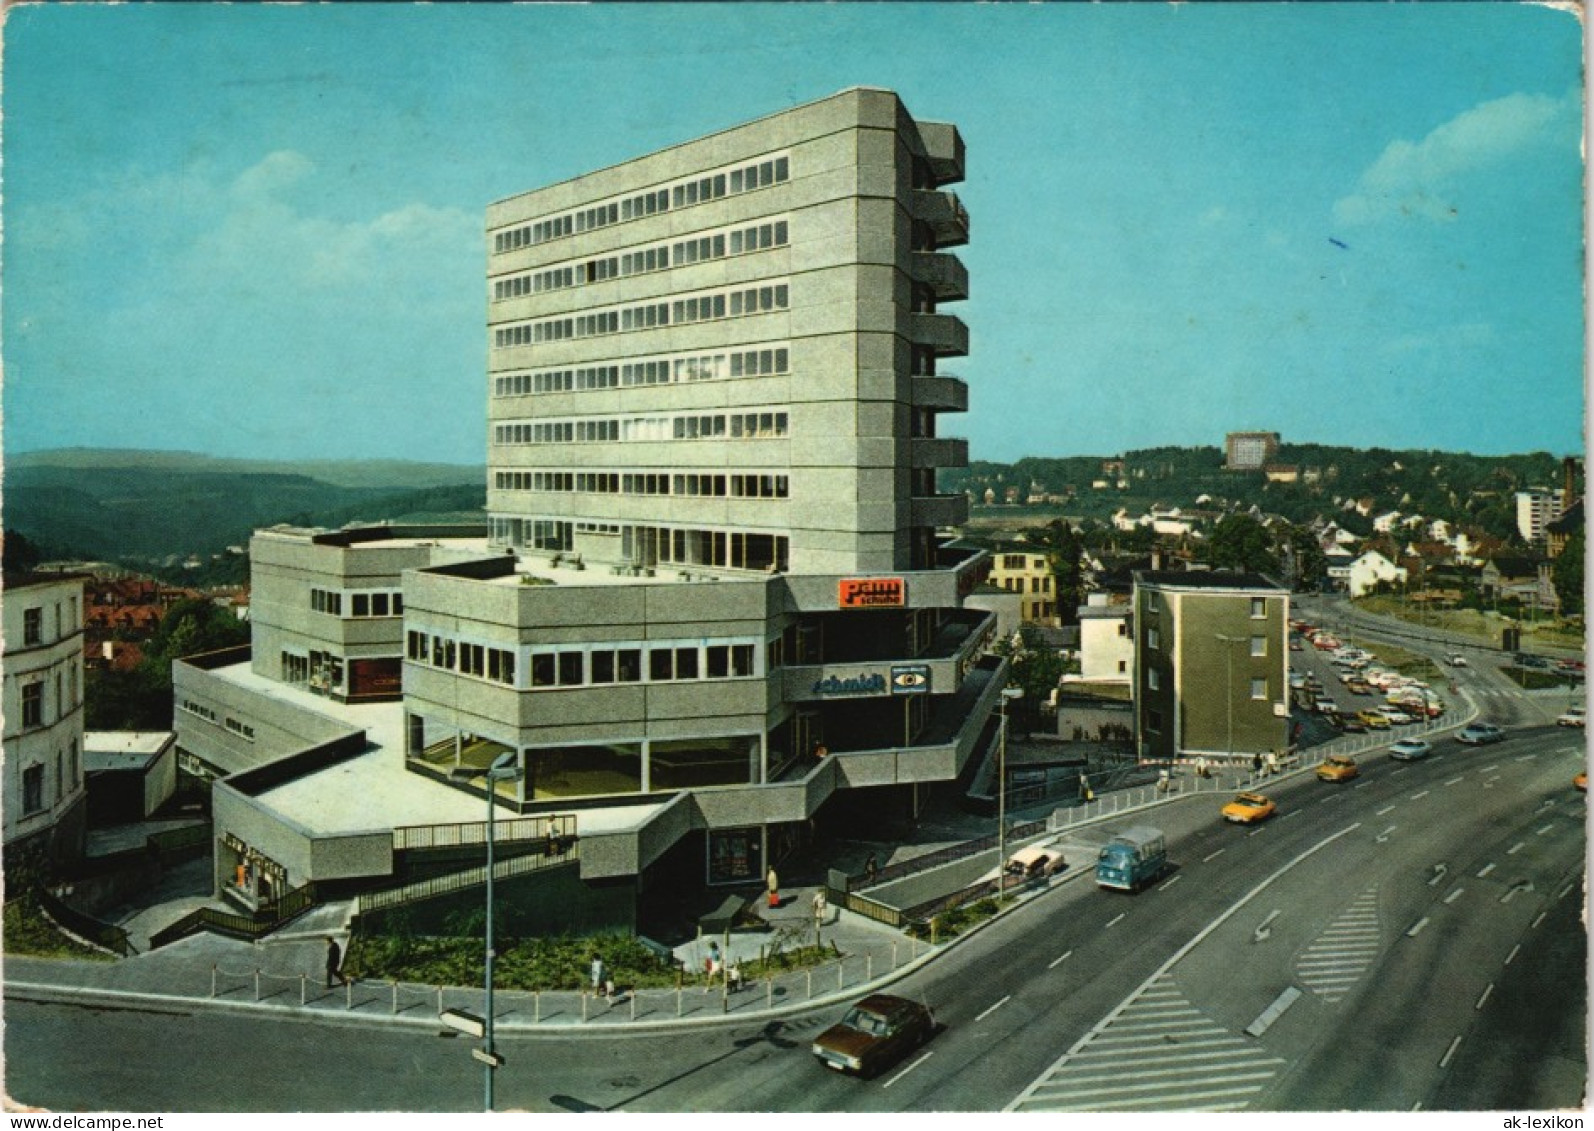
point(43, 809)
point(1211, 659)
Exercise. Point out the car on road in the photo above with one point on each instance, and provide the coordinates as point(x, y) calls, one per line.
point(1581, 781)
point(1524, 660)
point(1248, 808)
point(1572, 718)
point(874, 1033)
point(1480, 734)
point(1372, 719)
point(1410, 750)
point(1456, 660)
point(1033, 863)
point(1338, 767)
point(1326, 707)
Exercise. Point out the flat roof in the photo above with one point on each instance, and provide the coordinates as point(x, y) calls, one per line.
point(1205, 579)
point(123, 749)
point(374, 792)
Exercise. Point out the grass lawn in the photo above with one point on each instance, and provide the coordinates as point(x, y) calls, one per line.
point(27, 931)
point(1403, 661)
point(1471, 622)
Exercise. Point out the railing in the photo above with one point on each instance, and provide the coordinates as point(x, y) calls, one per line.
point(469, 834)
point(104, 935)
point(459, 881)
point(245, 925)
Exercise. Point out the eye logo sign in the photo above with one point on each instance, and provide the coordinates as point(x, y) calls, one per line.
point(910, 679)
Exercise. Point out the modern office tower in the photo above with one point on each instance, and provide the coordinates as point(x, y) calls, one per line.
point(712, 618)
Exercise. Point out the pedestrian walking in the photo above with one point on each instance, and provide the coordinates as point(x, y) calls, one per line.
point(1256, 763)
point(608, 988)
point(1272, 762)
point(733, 977)
point(712, 965)
point(772, 882)
point(334, 963)
point(1162, 782)
point(821, 908)
point(597, 971)
point(1201, 768)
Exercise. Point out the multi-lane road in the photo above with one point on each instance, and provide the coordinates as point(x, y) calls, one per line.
point(1407, 939)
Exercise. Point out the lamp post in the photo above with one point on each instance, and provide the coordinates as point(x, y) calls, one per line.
point(503, 769)
point(1008, 695)
point(1228, 661)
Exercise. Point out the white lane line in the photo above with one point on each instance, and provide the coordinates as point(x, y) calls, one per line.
point(1489, 989)
point(1545, 829)
point(1385, 809)
point(1515, 848)
point(1455, 895)
point(1210, 857)
point(1291, 813)
point(994, 1008)
point(1116, 917)
point(1485, 870)
point(1540, 919)
point(1417, 927)
point(911, 1067)
point(1527, 757)
point(1444, 1061)
point(1420, 796)
point(1168, 883)
point(1059, 959)
point(1488, 769)
point(1513, 953)
point(1453, 781)
point(1255, 832)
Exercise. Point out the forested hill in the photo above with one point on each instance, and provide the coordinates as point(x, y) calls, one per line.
point(145, 508)
point(1455, 486)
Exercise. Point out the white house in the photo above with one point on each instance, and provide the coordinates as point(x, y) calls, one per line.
point(1361, 575)
point(1106, 642)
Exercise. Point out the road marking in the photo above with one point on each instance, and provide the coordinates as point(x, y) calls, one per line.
point(1291, 813)
point(1564, 892)
point(1527, 757)
point(1540, 919)
point(908, 1069)
point(1273, 1012)
point(1417, 927)
point(1383, 837)
point(1444, 1061)
point(1489, 989)
point(1059, 959)
point(1385, 809)
point(1402, 770)
point(1488, 769)
point(1515, 848)
point(1513, 953)
point(994, 1008)
point(1485, 870)
point(1544, 830)
point(1254, 832)
point(1213, 856)
point(1168, 883)
point(1453, 781)
point(1454, 895)
point(1116, 917)
point(1420, 796)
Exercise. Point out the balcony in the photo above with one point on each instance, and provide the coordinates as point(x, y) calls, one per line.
point(943, 147)
point(944, 394)
point(947, 451)
point(945, 214)
point(944, 333)
point(940, 510)
point(945, 274)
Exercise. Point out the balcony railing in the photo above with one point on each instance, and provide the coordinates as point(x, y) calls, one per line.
point(940, 510)
point(944, 273)
point(944, 393)
point(945, 333)
point(944, 212)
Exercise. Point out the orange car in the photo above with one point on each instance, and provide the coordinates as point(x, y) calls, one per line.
point(1338, 767)
point(1248, 808)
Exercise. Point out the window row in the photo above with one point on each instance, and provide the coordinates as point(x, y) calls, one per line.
point(699, 190)
point(495, 664)
point(241, 729)
point(657, 371)
point(736, 303)
point(649, 546)
point(589, 666)
point(645, 429)
point(661, 483)
point(367, 603)
point(682, 253)
point(199, 709)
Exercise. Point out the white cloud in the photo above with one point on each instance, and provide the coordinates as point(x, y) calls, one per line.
point(1420, 178)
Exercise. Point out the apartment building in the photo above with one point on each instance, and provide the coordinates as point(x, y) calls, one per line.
point(43, 810)
point(1211, 664)
point(1027, 571)
point(711, 617)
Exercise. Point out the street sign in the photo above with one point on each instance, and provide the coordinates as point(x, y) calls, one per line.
point(467, 1023)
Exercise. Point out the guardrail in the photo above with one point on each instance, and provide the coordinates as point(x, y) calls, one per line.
point(459, 881)
point(474, 833)
point(249, 925)
point(106, 936)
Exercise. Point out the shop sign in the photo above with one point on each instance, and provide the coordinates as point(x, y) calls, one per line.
point(871, 593)
point(910, 679)
point(857, 685)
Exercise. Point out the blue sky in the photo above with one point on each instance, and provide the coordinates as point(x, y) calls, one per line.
point(257, 230)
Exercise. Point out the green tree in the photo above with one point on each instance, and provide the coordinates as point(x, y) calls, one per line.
point(1241, 542)
point(1567, 576)
point(1310, 566)
point(141, 699)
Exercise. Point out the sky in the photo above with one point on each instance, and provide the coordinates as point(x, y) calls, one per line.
point(258, 230)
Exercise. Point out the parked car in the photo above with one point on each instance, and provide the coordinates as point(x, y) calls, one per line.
point(1326, 707)
point(1396, 716)
point(1480, 734)
point(1372, 719)
point(1456, 660)
point(1248, 808)
point(1410, 750)
point(1352, 724)
point(1033, 863)
point(1338, 767)
point(874, 1033)
point(1572, 718)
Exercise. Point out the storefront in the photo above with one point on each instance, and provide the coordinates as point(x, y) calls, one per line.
point(248, 876)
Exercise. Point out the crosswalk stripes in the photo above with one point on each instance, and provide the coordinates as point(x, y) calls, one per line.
point(1341, 954)
point(1158, 1053)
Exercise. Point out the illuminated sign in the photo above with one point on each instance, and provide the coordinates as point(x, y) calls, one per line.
point(856, 685)
point(910, 679)
point(871, 592)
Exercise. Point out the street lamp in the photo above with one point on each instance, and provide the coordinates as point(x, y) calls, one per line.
point(503, 769)
point(1228, 660)
point(1008, 695)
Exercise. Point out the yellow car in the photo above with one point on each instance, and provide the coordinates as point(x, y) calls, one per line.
point(1338, 767)
point(1373, 719)
point(1248, 808)
point(1581, 781)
